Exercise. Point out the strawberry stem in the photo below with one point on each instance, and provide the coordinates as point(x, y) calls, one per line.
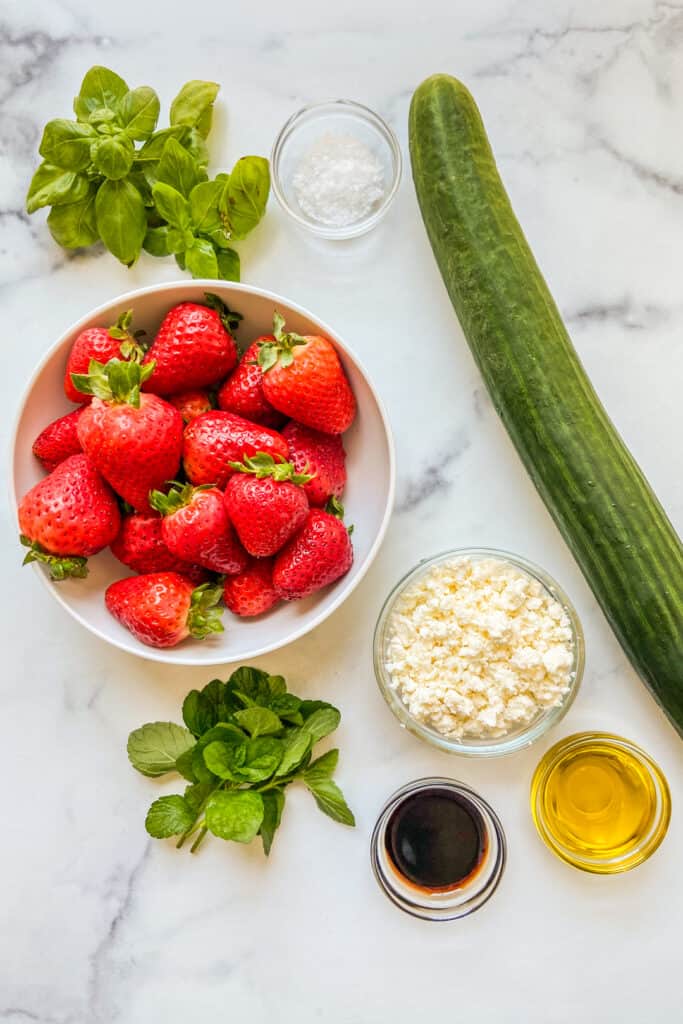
point(229, 318)
point(204, 616)
point(61, 567)
point(279, 350)
point(262, 465)
point(115, 381)
point(178, 497)
point(131, 347)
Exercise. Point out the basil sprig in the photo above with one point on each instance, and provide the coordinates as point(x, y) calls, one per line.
point(101, 186)
point(243, 743)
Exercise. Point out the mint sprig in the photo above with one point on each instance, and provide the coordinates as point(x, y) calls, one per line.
point(113, 176)
point(244, 741)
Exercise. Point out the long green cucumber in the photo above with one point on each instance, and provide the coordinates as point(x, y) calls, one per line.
point(609, 516)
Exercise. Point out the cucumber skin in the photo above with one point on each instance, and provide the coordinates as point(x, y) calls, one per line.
point(609, 516)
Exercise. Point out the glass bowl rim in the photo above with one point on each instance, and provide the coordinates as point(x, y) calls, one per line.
point(359, 110)
point(598, 865)
point(491, 747)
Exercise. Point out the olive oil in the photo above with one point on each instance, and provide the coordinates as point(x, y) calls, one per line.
point(600, 802)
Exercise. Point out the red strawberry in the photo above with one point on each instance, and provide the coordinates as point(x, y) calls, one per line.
point(304, 379)
point(215, 439)
point(196, 527)
point(102, 344)
point(68, 516)
point(266, 503)
point(242, 393)
point(321, 455)
point(134, 440)
point(319, 554)
point(193, 348)
point(139, 545)
point(191, 404)
point(58, 441)
point(163, 608)
point(251, 592)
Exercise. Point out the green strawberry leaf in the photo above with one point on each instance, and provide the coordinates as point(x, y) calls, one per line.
point(61, 567)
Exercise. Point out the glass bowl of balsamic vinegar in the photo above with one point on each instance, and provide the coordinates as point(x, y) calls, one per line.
point(438, 849)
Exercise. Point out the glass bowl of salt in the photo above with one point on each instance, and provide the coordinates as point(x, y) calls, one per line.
point(336, 167)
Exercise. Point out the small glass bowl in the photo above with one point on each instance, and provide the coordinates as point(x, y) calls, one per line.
point(596, 863)
point(472, 746)
point(335, 117)
point(457, 901)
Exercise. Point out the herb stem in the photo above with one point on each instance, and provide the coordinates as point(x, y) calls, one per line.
point(196, 844)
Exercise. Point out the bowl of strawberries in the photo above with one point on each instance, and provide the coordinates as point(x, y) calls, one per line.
point(202, 472)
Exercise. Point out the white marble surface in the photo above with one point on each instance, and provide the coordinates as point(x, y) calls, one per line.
point(584, 105)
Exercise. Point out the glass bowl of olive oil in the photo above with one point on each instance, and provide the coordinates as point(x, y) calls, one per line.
point(600, 803)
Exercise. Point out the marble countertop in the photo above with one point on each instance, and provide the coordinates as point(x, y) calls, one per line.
point(584, 105)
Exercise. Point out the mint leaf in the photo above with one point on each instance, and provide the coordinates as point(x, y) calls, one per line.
point(67, 144)
point(235, 815)
point(286, 707)
point(330, 799)
point(185, 765)
point(322, 768)
point(246, 194)
point(307, 707)
point(139, 112)
point(322, 722)
point(252, 683)
point(51, 186)
point(178, 169)
point(101, 88)
point(153, 749)
point(297, 746)
point(121, 219)
point(273, 805)
point(196, 794)
point(224, 760)
point(169, 816)
point(198, 713)
point(193, 105)
point(258, 721)
point(263, 757)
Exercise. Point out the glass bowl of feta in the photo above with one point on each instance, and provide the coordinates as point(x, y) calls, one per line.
point(478, 652)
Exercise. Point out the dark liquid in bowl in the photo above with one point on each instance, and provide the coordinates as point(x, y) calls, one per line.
point(436, 839)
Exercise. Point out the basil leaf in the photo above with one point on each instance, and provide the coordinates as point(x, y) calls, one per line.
point(113, 156)
point(228, 265)
point(322, 722)
point(200, 259)
point(139, 181)
point(157, 243)
point(194, 105)
point(330, 799)
point(168, 816)
point(139, 112)
point(154, 146)
point(273, 806)
point(171, 205)
point(100, 88)
point(74, 225)
point(178, 169)
point(204, 200)
point(195, 145)
point(67, 144)
point(153, 749)
point(235, 815)
point(246, 194)
point(297, 746)
point(51, 186)
point(121, 219)
point(225, 760)
point(258, 721)
point(322, 768)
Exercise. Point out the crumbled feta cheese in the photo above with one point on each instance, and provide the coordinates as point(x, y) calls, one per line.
point(478, 648)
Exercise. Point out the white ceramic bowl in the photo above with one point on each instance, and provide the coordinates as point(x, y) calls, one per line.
point(368, 498)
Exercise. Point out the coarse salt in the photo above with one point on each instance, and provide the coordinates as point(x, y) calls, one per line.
point(477, 648)
point(339, 181)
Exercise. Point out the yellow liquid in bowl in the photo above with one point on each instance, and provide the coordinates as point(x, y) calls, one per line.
point(600, 803)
